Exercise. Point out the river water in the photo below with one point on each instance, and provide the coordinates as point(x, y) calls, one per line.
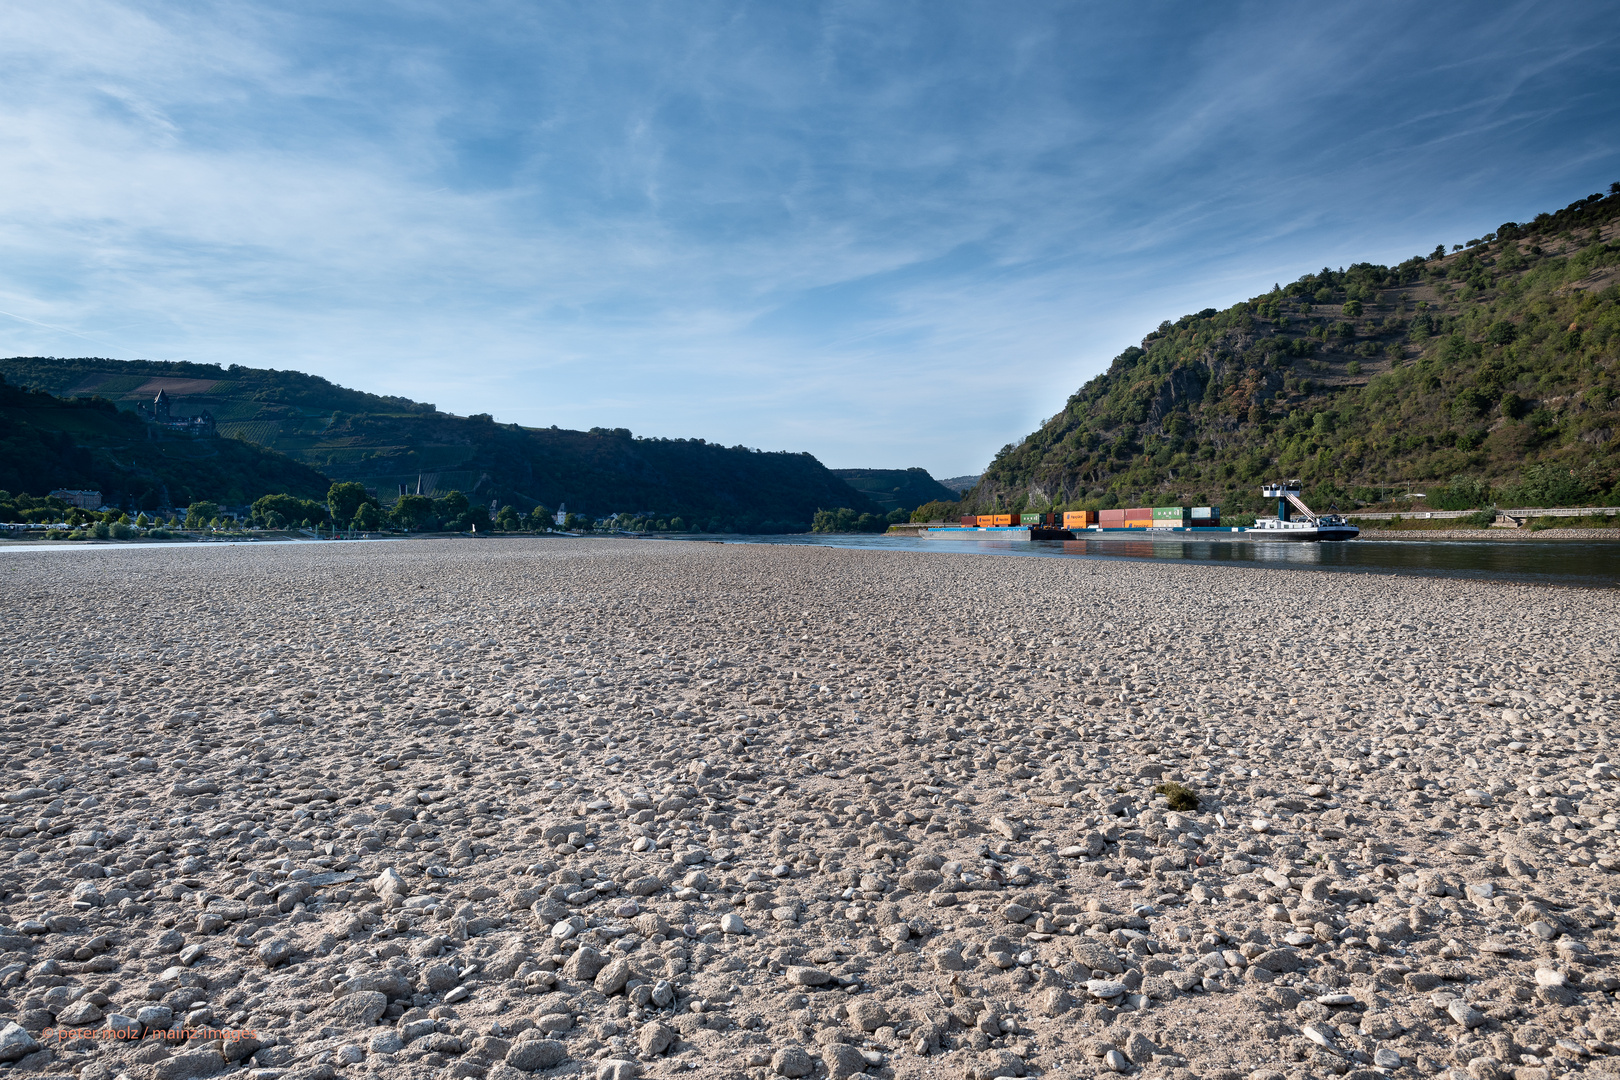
point(1585, 563)
point(1589, 563)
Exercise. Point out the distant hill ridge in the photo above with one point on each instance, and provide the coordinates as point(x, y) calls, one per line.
point(959, 484)
point(1479, 374)
point(388, 442)
point(896, 489)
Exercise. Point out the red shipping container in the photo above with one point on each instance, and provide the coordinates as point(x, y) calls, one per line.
point(970, 520)
point(1112, 519)
point(1139, 513)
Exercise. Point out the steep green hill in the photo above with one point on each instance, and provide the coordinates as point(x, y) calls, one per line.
point(48, 442)
point(386, 442)
point(896, 489)
point(1486, 373)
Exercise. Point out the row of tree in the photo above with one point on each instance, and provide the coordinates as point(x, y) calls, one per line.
point(78, 523)
point(349, 507)
point(845, 520)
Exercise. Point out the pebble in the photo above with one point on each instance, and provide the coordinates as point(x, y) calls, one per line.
point(275, 952)
point(807, 976)
point(792, 1061)
point(1465, 1014)
point(617, 1069)
point(792, 794)
point(1318, 1034)
point(16, 1043)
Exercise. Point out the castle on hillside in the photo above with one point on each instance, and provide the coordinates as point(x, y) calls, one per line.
point(161, 413)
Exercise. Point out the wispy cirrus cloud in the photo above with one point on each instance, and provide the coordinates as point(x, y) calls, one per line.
point(887, 233)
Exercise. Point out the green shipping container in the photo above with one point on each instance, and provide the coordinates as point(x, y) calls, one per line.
point(1031, 519)
point(1169, 513)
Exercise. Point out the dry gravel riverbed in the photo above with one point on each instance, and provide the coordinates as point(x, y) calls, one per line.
point(616, 809)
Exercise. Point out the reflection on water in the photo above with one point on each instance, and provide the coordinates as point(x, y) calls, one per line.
point(1563, 562)
point(1555, 562)
point(1292, 553)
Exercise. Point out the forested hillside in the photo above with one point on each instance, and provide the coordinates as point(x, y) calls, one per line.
point(49, 442)
point(385, 442)
point(1483, 374)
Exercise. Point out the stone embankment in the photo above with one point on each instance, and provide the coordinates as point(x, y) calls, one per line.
point(611, 809)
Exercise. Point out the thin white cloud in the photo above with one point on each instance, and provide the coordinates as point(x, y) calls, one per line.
point(888, 234)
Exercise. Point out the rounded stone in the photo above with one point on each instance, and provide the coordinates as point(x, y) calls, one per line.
point(531, 1055)
point(792, 1061)
point(805, 975)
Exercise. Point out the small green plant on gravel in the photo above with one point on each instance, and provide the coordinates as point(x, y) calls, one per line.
point(1181, 798)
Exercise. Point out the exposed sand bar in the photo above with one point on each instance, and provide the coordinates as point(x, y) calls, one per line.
point(602, 808)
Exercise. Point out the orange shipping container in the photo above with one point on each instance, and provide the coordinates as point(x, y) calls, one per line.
point(986, 520)
point(1079, 519)
point(1004, 519)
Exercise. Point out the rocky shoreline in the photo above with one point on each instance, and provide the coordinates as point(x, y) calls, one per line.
point(611, 809)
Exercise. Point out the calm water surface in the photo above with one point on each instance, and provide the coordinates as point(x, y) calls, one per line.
point(1588, 563)
point(1592, 563)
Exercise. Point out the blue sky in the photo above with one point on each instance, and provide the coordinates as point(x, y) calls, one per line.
point(891, 234)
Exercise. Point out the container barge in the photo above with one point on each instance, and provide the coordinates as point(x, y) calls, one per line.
point(1294, 521)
